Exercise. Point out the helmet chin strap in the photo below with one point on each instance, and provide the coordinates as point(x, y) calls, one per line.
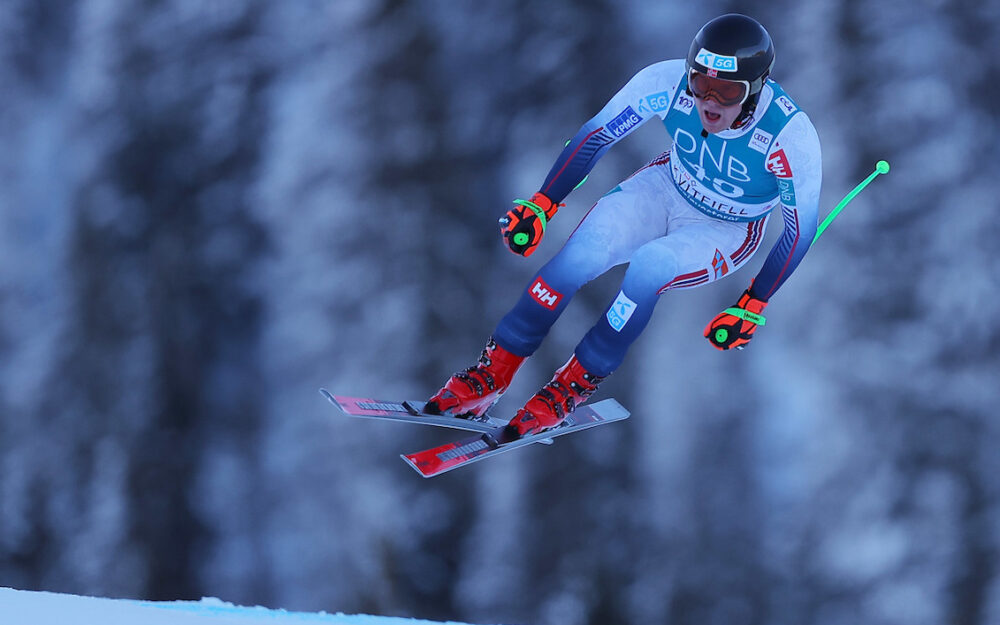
point(749, 107)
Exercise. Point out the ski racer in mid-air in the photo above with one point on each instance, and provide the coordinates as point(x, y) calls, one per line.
point(697, 213)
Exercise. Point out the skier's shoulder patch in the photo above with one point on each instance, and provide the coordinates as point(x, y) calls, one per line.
point(778, 109)
point(786, 105)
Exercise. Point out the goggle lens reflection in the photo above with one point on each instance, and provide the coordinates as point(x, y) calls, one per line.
point(725, 92)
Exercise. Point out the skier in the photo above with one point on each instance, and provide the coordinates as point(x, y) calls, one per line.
point(740, 147)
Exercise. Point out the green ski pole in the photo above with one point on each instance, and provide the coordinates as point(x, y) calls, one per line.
point(882, 167)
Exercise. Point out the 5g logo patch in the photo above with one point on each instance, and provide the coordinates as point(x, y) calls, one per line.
point(621, 311)
point(717, 62)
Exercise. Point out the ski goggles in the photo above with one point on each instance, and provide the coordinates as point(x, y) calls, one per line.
point(725, 92)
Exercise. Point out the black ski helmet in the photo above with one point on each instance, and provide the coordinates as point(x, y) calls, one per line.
point(734, 47)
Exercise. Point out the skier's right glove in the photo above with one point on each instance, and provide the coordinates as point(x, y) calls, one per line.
point(524, 225)
point(734, 327)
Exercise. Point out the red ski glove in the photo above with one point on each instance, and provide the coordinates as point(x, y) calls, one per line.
point(734, 327)
point(524, 225)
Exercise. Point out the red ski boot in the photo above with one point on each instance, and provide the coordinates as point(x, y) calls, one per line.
point(470, 393)
point(570, 387)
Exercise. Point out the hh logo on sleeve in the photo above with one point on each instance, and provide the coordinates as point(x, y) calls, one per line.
point(778, 165)
point(545, 295)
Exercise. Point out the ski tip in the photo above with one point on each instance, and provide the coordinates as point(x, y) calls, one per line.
point(328, 395)
point(610, 409)
point(414, 466)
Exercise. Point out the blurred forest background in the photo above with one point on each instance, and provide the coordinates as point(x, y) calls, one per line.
point(211, 208)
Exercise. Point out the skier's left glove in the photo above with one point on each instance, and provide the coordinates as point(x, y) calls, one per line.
point(524, 225)
point(734, 327)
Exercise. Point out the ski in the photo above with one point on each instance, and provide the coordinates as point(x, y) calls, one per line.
point(438, 460)
point(407, 412)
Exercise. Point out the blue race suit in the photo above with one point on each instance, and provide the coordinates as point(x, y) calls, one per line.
point(691, 216)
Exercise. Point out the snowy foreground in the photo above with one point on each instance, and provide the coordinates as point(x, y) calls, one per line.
point(18, 607)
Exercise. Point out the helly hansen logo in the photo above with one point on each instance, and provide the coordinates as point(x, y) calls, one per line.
point(761, 140)
point(545, 295)
point(778, 165)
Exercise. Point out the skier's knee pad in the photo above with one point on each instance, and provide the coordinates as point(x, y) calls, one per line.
point(650, 269)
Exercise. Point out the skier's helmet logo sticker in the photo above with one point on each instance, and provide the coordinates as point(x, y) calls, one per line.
point(717, 62)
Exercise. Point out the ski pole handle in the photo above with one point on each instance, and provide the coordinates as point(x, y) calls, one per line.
point(519, 238)
point(881, 167)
